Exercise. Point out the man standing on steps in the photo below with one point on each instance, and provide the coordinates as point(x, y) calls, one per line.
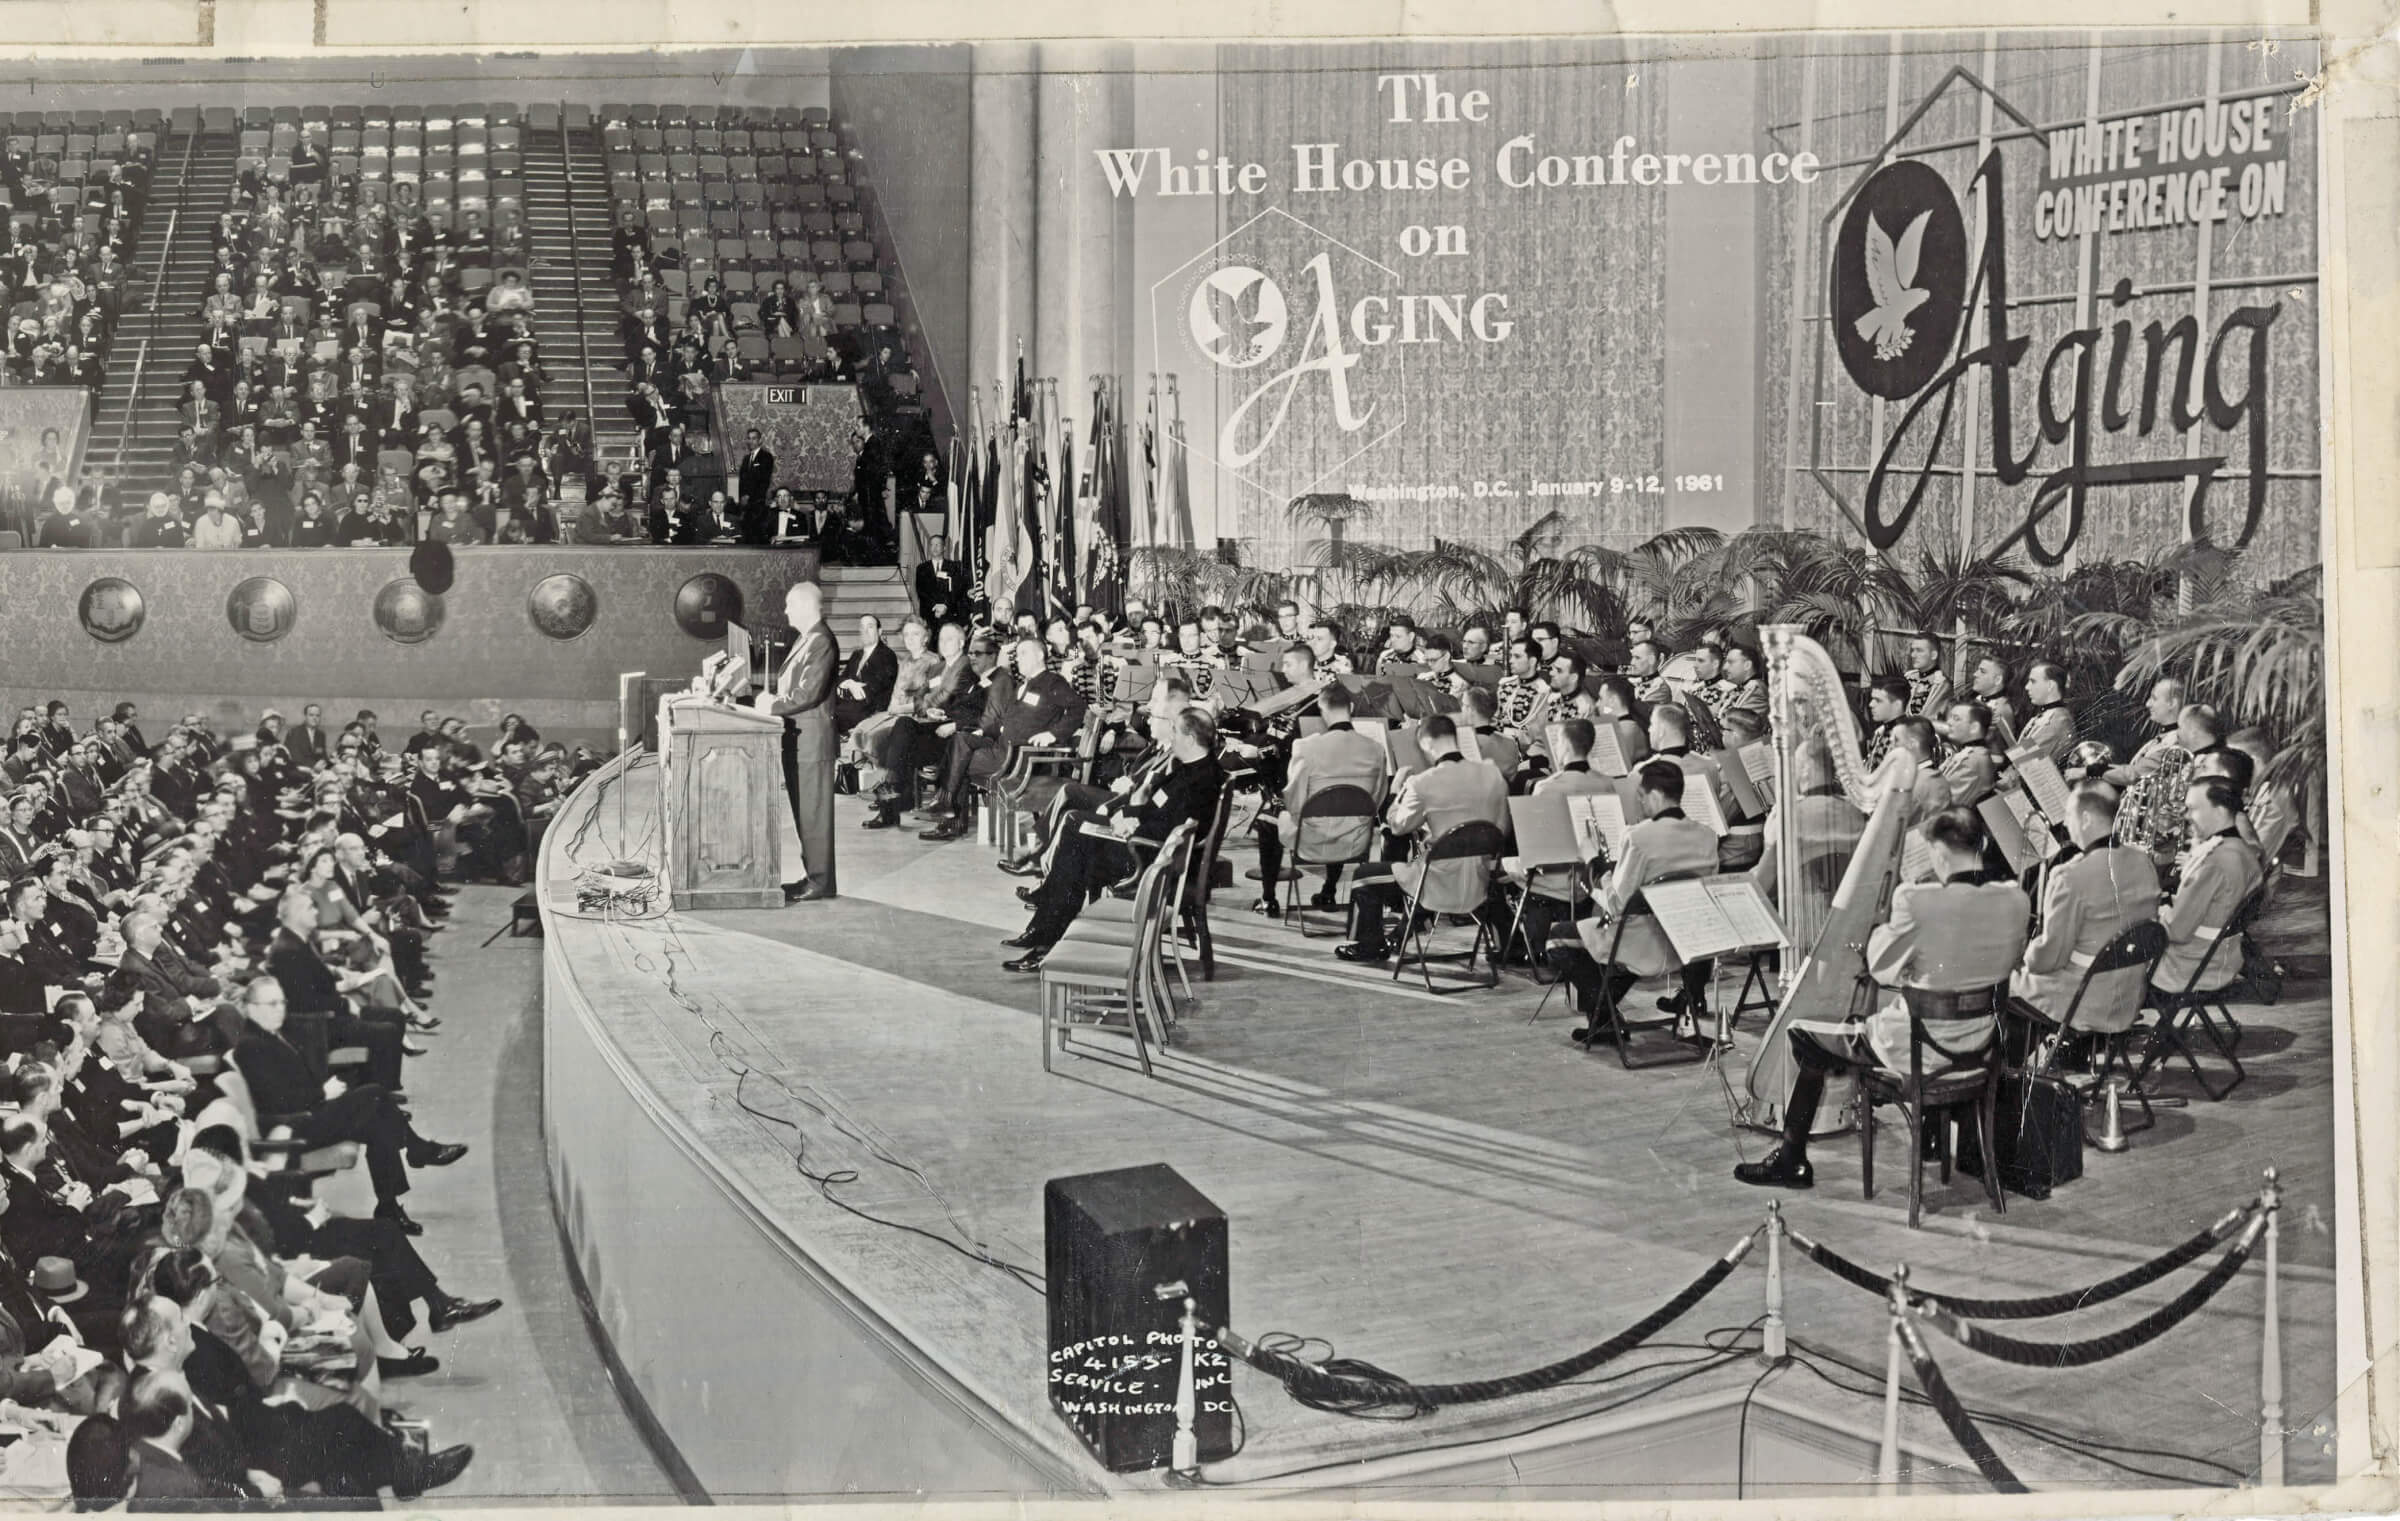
point(802, 697)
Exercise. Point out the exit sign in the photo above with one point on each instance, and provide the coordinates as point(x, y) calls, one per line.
point(787, 396)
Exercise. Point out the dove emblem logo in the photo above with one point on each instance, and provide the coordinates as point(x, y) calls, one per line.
point(1897, 301)
point(1891, 273)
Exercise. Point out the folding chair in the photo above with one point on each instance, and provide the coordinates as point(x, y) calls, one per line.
point(1971, 1078)
point(1475, 840)
point(1625, 1026)
point(1338, 811)
point(2193, 1007)
point(2140, 946)
point(1094, 973)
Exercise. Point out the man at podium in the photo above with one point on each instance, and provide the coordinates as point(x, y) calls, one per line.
point(802, 696)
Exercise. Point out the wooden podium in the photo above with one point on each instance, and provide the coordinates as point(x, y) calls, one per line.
point(724, 800)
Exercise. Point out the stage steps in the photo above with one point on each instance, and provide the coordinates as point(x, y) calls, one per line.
point(583, 174)
point(581, 375)
point(852, 591)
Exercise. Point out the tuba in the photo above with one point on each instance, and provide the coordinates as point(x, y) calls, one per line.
point(2149, 814)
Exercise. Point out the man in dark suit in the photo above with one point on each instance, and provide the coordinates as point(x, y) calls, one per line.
point(1040, 707)
point(1959, 933)
point(167, 985)
point(943, 595)
point(313, 988)
point(757, 480)
point(1093, 849)
point(802, 695)
point(868, 675)
point(158, 1413)
point(308, 743)
point(290, 1087)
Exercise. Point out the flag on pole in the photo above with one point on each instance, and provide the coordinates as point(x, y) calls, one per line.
point(1150, 516)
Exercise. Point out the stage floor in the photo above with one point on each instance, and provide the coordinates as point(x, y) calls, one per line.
point(1440, 1186)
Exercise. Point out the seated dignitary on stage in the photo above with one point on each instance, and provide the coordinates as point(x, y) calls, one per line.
point(2218, 875)
point(290, 1088)
point(1957, 934)
point(1040, 707)
point(1051, 797)
point(1092, 850)
point(1335, 756)
point(1666, 844)
point(1429, 804)
point(2096, 894)
point(864, 687)
point(950, 701)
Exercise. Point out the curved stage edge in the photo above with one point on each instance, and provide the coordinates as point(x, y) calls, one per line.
point(775, 1346)
point(764, 1373)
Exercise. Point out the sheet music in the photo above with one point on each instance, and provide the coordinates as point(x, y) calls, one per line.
point(1694, 922)
point(1599, 820)
point(1745, 908)
point(1470, 745)
point(1554, 743)
point(1916, 858)
point(1758, 758)
point(1700, 801)
point(1608, 757)
point(2042, 779)
point(1545, 831)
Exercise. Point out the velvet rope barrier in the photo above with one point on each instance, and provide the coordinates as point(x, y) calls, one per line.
point(2079, 1354)
point(1309, 1382)
point(1944, 1400)
point(2048, 1304)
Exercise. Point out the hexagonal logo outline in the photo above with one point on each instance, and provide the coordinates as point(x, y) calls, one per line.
point(1159, 328)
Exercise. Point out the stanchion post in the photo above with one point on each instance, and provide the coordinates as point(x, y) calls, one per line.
point(2270, 1352)
point(1887, 1462)
point(1185, 1457)
point(1771, 1346)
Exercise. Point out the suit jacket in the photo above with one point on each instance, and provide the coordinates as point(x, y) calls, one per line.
point(1665, 845)
point(943, 595)
point(1431, 803)
point(16, 853)
point(309, 748)
point(876, 670)
point(2222, 871)
point(1504, 751)
point(1336, 756)
point(757, 476)
point(168, 1482)
point(309, 985)
point(1951, 937)
point(1188, 791)
point(1048, 704)
point(2086, 903)
point(38, 1225)
point(1557, 883)
point(808, 678)
point(283, 1079)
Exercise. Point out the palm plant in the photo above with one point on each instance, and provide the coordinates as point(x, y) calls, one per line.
point(1948, 591)
point(1536, 572)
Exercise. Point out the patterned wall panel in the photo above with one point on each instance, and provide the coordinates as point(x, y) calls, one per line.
point(485, 655)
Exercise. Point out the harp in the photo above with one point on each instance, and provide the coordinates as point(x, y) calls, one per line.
point(1836, 831)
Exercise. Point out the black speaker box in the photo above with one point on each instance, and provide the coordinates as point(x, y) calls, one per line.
point(1125, 1249)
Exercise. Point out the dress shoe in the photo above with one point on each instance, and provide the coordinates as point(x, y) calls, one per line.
point(407, 1049)
point(1780, 1168)
point(457, 1312)
point(431, 1471)
point(1020, 943)
point(1364, 954)
point(1027, 895)
point(1595, 1035)
point(1325, 901)
point(1031, 961)
point(424, 1022)
point(881, 818)
point(793, 890)
point(415, 1365)
point(437, 1153)
point(1267, 906)
point(944, 831)
point(814, 892)
point(1022, 866)
point(399, 1218)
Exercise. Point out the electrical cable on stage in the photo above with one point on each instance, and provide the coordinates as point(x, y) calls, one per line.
point(2078, 1354)
point(1945, 1404)
point(2048, 1304)
point(1353, 1392)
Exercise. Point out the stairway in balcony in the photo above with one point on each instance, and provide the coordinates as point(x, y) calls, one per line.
point(133, 433)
